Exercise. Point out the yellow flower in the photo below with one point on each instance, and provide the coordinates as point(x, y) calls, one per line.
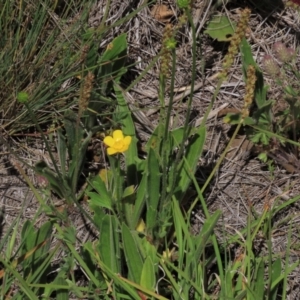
point(117, 143)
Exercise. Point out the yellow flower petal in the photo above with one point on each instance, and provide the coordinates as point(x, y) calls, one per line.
point(109, 141)
point(118, 135)
point(111, 151)
point(125, 147)
point(127, 140)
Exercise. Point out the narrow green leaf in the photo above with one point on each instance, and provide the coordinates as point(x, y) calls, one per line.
point(228, 284)
point(128, 203)
point(62, 294)
point(288, 270)
point(181, 231)
point(62, 151)
point(73, 132)
point(112, 66)
point(275, 274)
point(108, 250)
point(132, 254)
point(44, 232)
point(130, 287)
point(140, 201)
point(153, 189)
point(258, 282)
point(206, 233)
point(20, 282)
point(128, 129)
point(28, 236)
point(241, 295)
point(42, 268)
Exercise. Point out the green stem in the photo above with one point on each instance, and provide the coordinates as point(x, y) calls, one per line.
point(167, 178)
point(176, 163)
point(189, 103)
point(117, 193)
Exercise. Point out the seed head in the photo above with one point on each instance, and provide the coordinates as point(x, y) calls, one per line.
point(235, 41)
point(270, 66)
point(283, 53)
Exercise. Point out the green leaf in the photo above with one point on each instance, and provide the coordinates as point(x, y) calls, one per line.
point(275, 274)
point(148, 278)
point(76, 145)
point(206, 233)
point(232, 119)
point(115, 48)
point(227, 285)
point(62, 151)
point(182, 234)
point(99, 200)
point(31, 238)
point(111, 68)
point(155, 139)
point(258, 282)
point(112, 63)
point(153, 190)
point(69, 235)
point(128, 202)
point(220, 28)
point(61, 294)
point(140, 201)
point(73, 132)
point(108, 246)
point(132, 255)
point(28, 235)
point(149, 250)
point(128, 129)
point(183, 4)
point(102, 198)
point(19, 279)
